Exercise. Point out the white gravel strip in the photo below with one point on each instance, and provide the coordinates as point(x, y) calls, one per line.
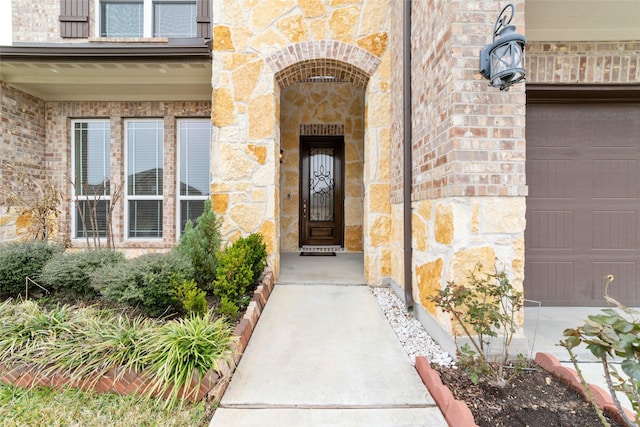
point(410, 332)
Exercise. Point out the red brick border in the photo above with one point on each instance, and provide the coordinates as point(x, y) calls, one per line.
point(570, 377)
point(212, 385)
point(457, 413)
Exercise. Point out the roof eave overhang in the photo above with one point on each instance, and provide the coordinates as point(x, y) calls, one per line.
point(192, 51)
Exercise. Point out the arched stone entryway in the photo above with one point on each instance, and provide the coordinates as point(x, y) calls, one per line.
point(322, 97)
point(259, 54)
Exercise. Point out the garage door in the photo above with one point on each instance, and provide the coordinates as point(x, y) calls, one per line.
point(583, 209)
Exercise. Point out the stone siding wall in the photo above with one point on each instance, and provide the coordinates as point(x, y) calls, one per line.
point(58, 161)
point(583, 63)
point(322, 103)
point(255, 53)
point(22, 155)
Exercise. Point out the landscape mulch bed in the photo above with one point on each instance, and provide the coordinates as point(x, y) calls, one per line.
point(533, 398)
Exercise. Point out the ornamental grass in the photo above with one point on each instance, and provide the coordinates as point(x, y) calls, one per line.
point(84, 343)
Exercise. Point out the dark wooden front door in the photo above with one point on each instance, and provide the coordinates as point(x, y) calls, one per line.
point(321, 190)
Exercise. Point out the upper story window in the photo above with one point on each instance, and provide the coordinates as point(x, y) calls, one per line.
point(148, 18)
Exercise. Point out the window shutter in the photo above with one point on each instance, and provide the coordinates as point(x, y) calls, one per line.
point(74, 18)
point(203, 18)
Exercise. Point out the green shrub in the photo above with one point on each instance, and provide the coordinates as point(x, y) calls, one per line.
point(193, 300)
point(256, 255)
point(200, 244)
point(234, 276)
point(239, 267)
point(146, 282)
point(71, 271)
point(19, 260)
point(228, 308)
point(613, 337)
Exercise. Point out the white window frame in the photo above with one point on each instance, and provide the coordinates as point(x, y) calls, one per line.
point(147, 10)
point(84, 197)
point(179, 197)
point(127, 197)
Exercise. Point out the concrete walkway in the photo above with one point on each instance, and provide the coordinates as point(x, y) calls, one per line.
point(323, 354)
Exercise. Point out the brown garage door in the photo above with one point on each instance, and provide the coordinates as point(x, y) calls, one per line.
point(583, 209)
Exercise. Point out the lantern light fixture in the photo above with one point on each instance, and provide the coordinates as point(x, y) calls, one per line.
point(502, 61)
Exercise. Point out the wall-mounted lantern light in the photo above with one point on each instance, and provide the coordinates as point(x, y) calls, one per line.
point(502, 62)
point(281, 156)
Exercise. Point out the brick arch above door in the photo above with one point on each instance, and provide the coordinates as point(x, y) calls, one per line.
point(323, 58)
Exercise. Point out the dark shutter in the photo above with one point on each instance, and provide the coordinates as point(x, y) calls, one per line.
point(203, 18)
point(74, 18)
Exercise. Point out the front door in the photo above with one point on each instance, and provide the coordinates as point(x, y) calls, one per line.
point(322, 190)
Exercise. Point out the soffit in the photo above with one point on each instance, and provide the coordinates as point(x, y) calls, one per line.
point(109, 81)
point(582, 20)
point(176, 69)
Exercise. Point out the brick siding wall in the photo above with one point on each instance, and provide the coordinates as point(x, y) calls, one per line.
point(468, 137)
point(22, 153)
point(36, 21)
point(583, 63)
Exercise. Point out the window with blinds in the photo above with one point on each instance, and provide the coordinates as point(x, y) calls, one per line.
point(174, 19)
point(194, 170)
point(91, 177)
point(144, 180)
point(151, 18)
point(121, 18)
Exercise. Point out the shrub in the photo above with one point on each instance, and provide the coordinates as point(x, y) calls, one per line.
point(71, 271)
point(256, 255)
point(200, 244)
point(193, 300)
point(146, 282)
point(612, 337)
point(19, 260)
point(485, 307)
point(234, 276)
point(239, 266)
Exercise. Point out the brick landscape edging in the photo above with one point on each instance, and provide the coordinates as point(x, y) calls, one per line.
point(457, 413)
point(570, 377)
point(212, 385)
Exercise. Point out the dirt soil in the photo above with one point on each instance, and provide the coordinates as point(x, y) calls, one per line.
point(533, 398)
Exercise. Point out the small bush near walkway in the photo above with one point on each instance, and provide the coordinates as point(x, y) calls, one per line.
point(200, 244)
point(19, 260)
point(146, 282)
point(239, 267)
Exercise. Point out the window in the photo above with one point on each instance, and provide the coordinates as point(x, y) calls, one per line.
point(147, 18)
point(91, 177)
point(121, 18)
point(144, 166)
point(174, 19)
point(194, 152)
